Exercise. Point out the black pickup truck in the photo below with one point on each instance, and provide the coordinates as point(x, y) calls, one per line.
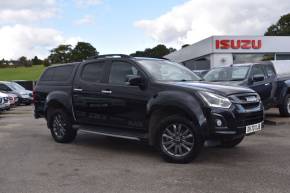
point(261, 77)
point(155, 100)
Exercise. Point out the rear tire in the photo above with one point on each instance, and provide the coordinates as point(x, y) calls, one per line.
point(178, 139)
point(230, 143)
point(284, 109)
point(60, 125)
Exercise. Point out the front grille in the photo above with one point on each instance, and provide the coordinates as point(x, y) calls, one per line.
point(248, 100)
point(250, 119)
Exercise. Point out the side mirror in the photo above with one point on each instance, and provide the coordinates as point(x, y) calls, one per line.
point(135, 80)
point(258, 78)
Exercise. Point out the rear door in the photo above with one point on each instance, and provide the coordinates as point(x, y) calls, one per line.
point(89, 104)
point(263, 87)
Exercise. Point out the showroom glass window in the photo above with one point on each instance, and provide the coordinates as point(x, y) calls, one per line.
point(282, 56)
point(202, 63)
point(248, 58)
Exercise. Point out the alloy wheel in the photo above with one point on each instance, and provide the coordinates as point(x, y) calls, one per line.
point(58, 126)
point(177, 140)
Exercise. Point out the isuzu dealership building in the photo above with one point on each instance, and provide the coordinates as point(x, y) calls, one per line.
point(224, 50)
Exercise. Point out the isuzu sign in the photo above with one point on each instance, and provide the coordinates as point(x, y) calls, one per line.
point(238, 44)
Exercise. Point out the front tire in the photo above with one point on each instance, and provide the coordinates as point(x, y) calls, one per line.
point(60, 125)
point(285, 107)
point(179, 140)
point(232, 142)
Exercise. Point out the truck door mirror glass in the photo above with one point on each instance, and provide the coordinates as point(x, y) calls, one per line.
point(135, 80)
point(258, 78)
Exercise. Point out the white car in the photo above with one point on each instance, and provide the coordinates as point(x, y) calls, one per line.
point(5, 98)
point(2, 104)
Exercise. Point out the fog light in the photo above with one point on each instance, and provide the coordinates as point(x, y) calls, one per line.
point(219, 123)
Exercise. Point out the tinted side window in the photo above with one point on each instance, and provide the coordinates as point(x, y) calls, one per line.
point(47, 75)
point(62, 73)
point(3, 87)
point(120, 71)
point(269, 71)
point(258, 71)
point(93, 72)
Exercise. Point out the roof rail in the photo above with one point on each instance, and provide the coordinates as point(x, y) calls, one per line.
point(110, 56)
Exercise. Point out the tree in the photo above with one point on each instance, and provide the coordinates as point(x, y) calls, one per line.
point(61, 54)
point(83, 51)
point(157, 52)
point(24, 62)
point(36, 61)
point(46, 62)
point(281, 28)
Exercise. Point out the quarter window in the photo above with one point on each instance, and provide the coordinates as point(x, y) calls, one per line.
point(120, 72)
point(93, 72)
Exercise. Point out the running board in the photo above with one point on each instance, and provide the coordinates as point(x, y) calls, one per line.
point(118, 133)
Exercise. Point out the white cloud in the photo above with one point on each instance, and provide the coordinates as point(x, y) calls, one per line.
point(197, 19)
point(15, 11)
point(20, 4)
point(25, 15)
point(88, 2)
point(20, 40)
point(86, 20)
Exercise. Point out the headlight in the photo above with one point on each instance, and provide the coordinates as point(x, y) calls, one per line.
point(214, 100)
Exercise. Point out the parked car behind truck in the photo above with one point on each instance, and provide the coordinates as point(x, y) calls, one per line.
point(5, 101)
point(23, 96)
point(155, 100)
point(274, 90)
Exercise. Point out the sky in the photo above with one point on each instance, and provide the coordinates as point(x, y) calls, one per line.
point(33, 27)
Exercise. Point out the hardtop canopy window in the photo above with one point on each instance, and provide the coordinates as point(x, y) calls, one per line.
point(58, 73)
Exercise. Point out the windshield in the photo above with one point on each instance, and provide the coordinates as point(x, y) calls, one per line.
point(15, 86)
point(163, 70)
point(236, 73)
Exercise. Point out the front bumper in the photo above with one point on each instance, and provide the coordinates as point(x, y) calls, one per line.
point(233, 121)
point(25, 100)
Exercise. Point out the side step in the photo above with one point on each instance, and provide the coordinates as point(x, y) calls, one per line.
point(111, 132)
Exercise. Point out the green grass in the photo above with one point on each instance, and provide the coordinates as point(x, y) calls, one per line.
point(21, 73)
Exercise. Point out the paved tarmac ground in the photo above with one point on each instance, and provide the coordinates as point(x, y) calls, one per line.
point(30, 161)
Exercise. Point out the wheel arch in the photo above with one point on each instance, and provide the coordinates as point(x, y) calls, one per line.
point(170, 103)
point(60, 100)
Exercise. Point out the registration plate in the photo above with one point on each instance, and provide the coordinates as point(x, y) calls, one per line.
point(253, 128)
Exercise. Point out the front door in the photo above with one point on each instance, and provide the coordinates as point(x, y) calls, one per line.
point(262, 87)
point(127, 103)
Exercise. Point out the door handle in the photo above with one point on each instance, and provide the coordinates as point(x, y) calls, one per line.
point(267, 84)
point(106, 92)
point(78, 90)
